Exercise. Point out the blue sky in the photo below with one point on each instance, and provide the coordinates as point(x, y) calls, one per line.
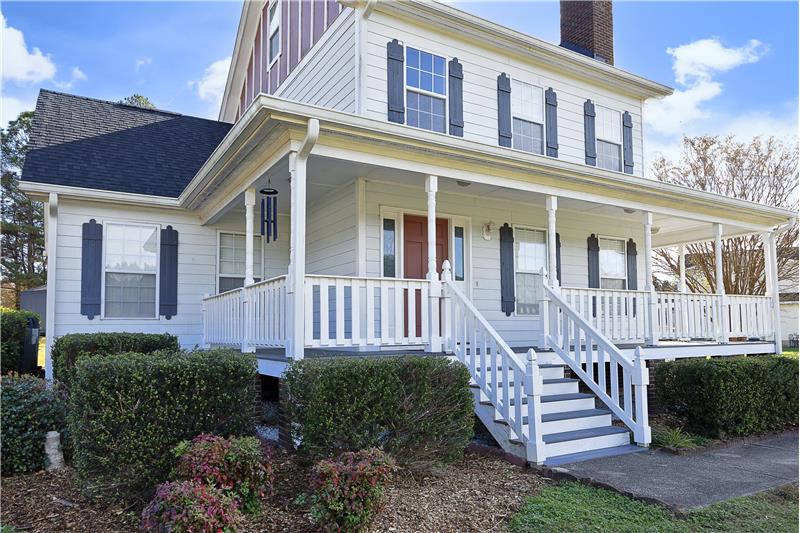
point(734, 64)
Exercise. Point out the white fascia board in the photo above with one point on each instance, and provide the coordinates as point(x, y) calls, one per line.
point(41, 191)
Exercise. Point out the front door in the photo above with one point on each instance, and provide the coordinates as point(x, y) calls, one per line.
point(415, 257)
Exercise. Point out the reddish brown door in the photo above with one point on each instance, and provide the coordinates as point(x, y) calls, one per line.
point(415, 257)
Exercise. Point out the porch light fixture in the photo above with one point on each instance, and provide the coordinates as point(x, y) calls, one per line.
point(269, 212)
point(629, 211)
point(488, 228)
point(462, 183)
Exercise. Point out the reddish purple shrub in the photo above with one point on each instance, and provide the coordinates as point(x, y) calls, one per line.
point(238, 467)
point(348, 491)
point(189, 506)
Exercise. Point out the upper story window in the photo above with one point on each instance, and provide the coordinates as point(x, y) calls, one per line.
point(232, 260)
point(426, 90)
point(527, 110)
point(131, 262)
point(613, 265)
point(530, 257)
point(274, 31)
point(608, 126)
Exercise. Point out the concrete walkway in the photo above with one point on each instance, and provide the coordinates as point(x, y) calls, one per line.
point(697, 479)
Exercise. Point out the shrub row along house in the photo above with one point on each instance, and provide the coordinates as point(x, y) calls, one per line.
point(402, 177)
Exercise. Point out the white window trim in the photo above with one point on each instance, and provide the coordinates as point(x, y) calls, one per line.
point(432, 94)
point(271, 32)
point(542, 124)
point(546, 244)
point(624, 261)
point(157, 227)
point(217, 274)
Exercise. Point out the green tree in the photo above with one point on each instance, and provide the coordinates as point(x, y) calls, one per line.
point(22, 236)
point(138, 100)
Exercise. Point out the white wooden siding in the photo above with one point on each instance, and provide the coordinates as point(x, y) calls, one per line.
point(481, 66)
point(331, 233)
point(484, 275)
point(327, 77)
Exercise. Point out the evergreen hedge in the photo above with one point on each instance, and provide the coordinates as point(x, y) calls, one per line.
point(13, 324)
point(127, 412)
point(730, 396)
point(417, 408)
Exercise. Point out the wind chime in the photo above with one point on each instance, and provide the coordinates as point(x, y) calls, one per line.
point(269, 212)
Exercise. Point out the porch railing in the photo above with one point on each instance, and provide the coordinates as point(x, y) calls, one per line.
point(619, 315)
point(222, 318)
point(364, 311)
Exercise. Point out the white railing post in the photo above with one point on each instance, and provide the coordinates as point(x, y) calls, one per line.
point(544, 309)
point(533, 390)
point(205, 344)
point(722, 304)
point(641, 378)
point(447, 311)
point(244, 321)
point(651, 336)
point(435, 291)
point(551, 204)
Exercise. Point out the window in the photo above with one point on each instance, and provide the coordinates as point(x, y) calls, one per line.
point(389, 248)
point(232, 259)
point(531, 256)
point(613, 274)
point(527, 110)
point(425, 90)
point(131, 262)
point(274, 31)
point(458, 253)
point(608, 126)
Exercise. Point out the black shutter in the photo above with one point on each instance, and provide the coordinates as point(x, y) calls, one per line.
point(504, 110)
point(551, 121)
point(594, 267)
point(507, 269)
point(394, 77)
point(630, 251)
point(168, 274)
point(91, 268)
point(456, 81)
point(588, 133)
point(558, 258)
point(627, 143)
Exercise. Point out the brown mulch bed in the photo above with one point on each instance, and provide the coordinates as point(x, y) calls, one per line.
point(478, 493)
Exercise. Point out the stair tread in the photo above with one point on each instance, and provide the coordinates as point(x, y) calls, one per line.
point(583, 434)
point(581, 413)
point(614, 451)
point(566, 396)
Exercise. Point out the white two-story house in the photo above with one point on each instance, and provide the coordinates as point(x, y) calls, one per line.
point(402, 177)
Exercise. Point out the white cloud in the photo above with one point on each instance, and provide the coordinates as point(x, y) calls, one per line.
point(142, 62)
point(212, 85)
point(75, 76)
point(11, 107)
point(19, 64)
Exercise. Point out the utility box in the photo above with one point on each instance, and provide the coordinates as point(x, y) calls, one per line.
point(30, 348)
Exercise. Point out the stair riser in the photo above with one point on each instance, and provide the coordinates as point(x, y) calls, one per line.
point(566, 405)
point(571, 424)
point(584, 445)
point(568, 387)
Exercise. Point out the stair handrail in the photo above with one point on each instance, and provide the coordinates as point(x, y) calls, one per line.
point(635, 374)
point(525, 377)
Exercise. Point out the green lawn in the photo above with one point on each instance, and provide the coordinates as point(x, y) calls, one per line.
point(574, 507)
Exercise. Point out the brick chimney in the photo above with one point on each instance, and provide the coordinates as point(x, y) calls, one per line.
point(587, 27)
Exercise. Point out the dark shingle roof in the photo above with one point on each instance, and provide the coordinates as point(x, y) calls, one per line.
point(83, 142)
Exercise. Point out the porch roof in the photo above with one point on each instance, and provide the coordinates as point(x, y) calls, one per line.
point(272, 127)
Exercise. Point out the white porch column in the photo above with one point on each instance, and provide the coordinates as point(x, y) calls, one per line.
point(295, 334)
point(552, 205)
point(722, 328)
point(651, 324)
point(249, 203)
point(682, 268)
point(771, 272)
point(431, 187)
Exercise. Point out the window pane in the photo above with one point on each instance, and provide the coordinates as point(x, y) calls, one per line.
point(232, 254)
point(527, 101)
point(612, 258)
point(531, 248)
point(130, 295)
point(274, 44)
point(228, 284)
point(388, 248)
point(611, 283)
point(425, 112)
point(132, 248)
point(608, 124)
point(458, 259)
point(608, 155)
point(528, 136)
point(526, 293)
point(425, 71)
point(412, 57)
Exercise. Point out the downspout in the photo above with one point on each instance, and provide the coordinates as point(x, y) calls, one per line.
point(297, 250)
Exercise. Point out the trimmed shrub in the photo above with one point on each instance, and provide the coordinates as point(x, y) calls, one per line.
point(348, 491)
point(234, 466)
point(69, 349)
point(418, 409)
point(127, 412)
point(730, 397)
point(189, 506)
point(13, 324)
point(29, 410)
